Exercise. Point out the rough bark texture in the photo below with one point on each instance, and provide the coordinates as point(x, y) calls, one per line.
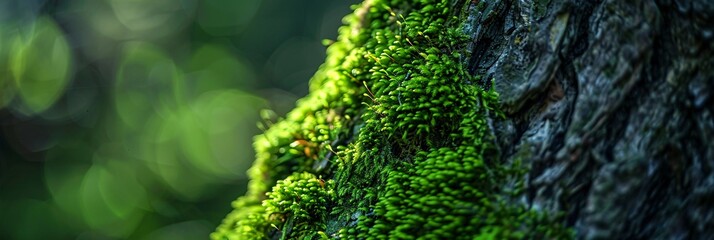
point(606, 105)
point(609, 103)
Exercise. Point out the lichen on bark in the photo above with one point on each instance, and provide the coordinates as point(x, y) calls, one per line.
point(393, 141)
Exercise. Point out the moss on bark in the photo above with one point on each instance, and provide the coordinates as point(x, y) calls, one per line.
point(393, 142)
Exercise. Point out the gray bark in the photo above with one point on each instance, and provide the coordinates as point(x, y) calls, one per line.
point(609, 104)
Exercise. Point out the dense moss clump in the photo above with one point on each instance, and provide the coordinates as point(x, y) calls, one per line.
point(301, 202)
point(393, 141)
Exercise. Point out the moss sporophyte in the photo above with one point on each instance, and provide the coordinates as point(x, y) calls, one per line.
point(391, 142)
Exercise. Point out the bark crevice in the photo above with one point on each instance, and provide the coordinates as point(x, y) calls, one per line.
point(609, 105)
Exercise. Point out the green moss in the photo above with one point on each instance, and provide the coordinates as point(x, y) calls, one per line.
point(399, 131)
point(297, 206)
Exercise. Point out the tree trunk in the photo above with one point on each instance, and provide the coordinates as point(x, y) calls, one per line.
point(609, 104)
point(602, 129)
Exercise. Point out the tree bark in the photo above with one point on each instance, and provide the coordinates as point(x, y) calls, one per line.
point(606, 105)
point(609, 103)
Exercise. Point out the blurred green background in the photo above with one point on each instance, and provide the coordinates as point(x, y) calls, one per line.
point(133, 119)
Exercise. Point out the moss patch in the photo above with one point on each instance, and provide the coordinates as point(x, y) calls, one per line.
point(393, 141)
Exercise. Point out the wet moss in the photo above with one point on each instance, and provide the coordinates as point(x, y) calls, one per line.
point(397, 132)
